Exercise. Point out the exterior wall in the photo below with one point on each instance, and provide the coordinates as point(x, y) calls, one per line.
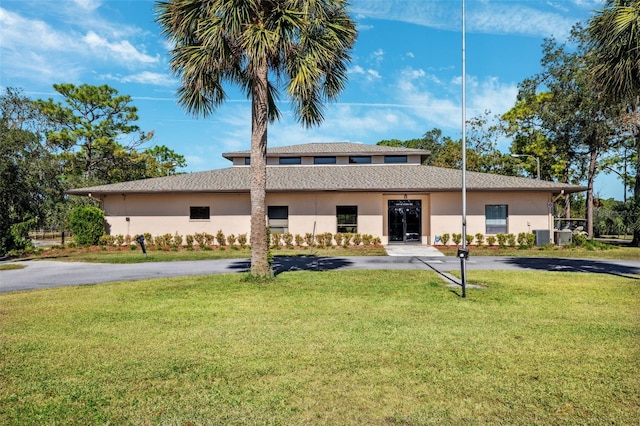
point(527, 212)
point(309, 212)
point(169, 213)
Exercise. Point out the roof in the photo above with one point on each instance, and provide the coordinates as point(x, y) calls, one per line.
point(334, 149)
point(355, 178)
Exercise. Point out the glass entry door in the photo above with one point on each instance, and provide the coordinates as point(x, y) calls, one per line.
point(405, 221)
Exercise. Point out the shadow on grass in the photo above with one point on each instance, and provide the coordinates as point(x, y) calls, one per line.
point(593, 266)
point(297, 263)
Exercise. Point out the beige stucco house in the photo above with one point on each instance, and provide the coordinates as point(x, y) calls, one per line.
point(333, 187)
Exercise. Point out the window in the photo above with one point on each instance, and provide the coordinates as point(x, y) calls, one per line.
point(360, 159)
point(278, 218)
point(199, 213)
point(289, 160)
point(496, 219)
point(347, 218)
point(324, 160)
point(395, 159)
point(247, 161)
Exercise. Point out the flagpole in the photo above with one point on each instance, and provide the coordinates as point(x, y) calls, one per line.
point(462, 254)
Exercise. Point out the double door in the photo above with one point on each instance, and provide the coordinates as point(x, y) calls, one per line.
point(405, 221)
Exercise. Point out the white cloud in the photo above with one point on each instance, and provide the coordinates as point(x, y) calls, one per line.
point(145, 77)
point(87, 5)
point(19, 33)
point(524, 18)
point(153, 78)
point(120, 50)
point(378, 56)
point(370, 75)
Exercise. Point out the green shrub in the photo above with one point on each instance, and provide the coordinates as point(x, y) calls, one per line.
point(479, 239)
point(531, 239)
point(444, 239)
point(209, 239)
point(287, 239)
point(366, 239)
point(177, 240)
point(522, 240)
point(299, 240)
point(106, 240)
point(87, 225)
point(160, 241)
point(326, 239)
point(579, 240)
point(491, 240)
point(231, 239)
point(119, 240)
point(308, 239)
point(220, 238)
point(511, 240)
point(469, 239)
point(242, 240)
point(200, 239)
point(346, 239)
point(275, 239)
point(376, 241)
point(338, 237)
point(189, 240)
point(148, 238)
point(357, 239)
point(502, 240)
point(456, 238)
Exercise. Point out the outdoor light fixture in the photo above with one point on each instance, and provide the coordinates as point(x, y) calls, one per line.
point(463, 253)
point(532, 156)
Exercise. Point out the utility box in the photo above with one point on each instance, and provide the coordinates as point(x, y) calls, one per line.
point(542, 237)
point(563, 237)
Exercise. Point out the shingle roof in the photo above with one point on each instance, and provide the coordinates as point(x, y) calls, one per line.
point(356, 178)
point(332, 148)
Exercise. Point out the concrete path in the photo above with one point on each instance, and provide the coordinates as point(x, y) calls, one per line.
point(44, 274)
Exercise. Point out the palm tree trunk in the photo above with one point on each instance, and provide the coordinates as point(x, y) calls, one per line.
point(636, 197)
point(591, 176)
point(259, 112)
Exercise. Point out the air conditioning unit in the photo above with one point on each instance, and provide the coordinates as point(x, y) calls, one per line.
point(563, 237)
point(542, 237)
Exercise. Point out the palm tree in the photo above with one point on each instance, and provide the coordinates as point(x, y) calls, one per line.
point(614, 34)
point(304, 44)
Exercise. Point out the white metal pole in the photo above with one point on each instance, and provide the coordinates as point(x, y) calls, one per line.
point(463, 255)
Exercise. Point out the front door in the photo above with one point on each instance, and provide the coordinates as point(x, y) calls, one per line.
point(405, 221)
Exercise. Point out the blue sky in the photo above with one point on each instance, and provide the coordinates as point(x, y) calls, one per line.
point(404, 77)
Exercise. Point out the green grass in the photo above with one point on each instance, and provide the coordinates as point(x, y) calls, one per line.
point(112, 255)
point(348, 347)
point(604, 251)
point(10, 266)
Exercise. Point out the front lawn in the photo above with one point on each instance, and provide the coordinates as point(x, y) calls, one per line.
point(599, 251)
point(341, 347)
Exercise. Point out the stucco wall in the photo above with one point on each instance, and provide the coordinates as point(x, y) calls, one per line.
point(161, 214)
point(309, 212)
point(527, 212)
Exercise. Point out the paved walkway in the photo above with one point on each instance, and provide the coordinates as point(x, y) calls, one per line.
point(417, 250)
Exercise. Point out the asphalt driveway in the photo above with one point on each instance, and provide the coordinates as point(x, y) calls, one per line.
point(39, 274)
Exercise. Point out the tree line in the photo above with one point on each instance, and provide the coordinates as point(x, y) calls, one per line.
point(48, 147)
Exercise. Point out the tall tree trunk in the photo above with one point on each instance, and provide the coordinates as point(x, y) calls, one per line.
point(593, 157)
point(636, 197)
point(259, 112)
